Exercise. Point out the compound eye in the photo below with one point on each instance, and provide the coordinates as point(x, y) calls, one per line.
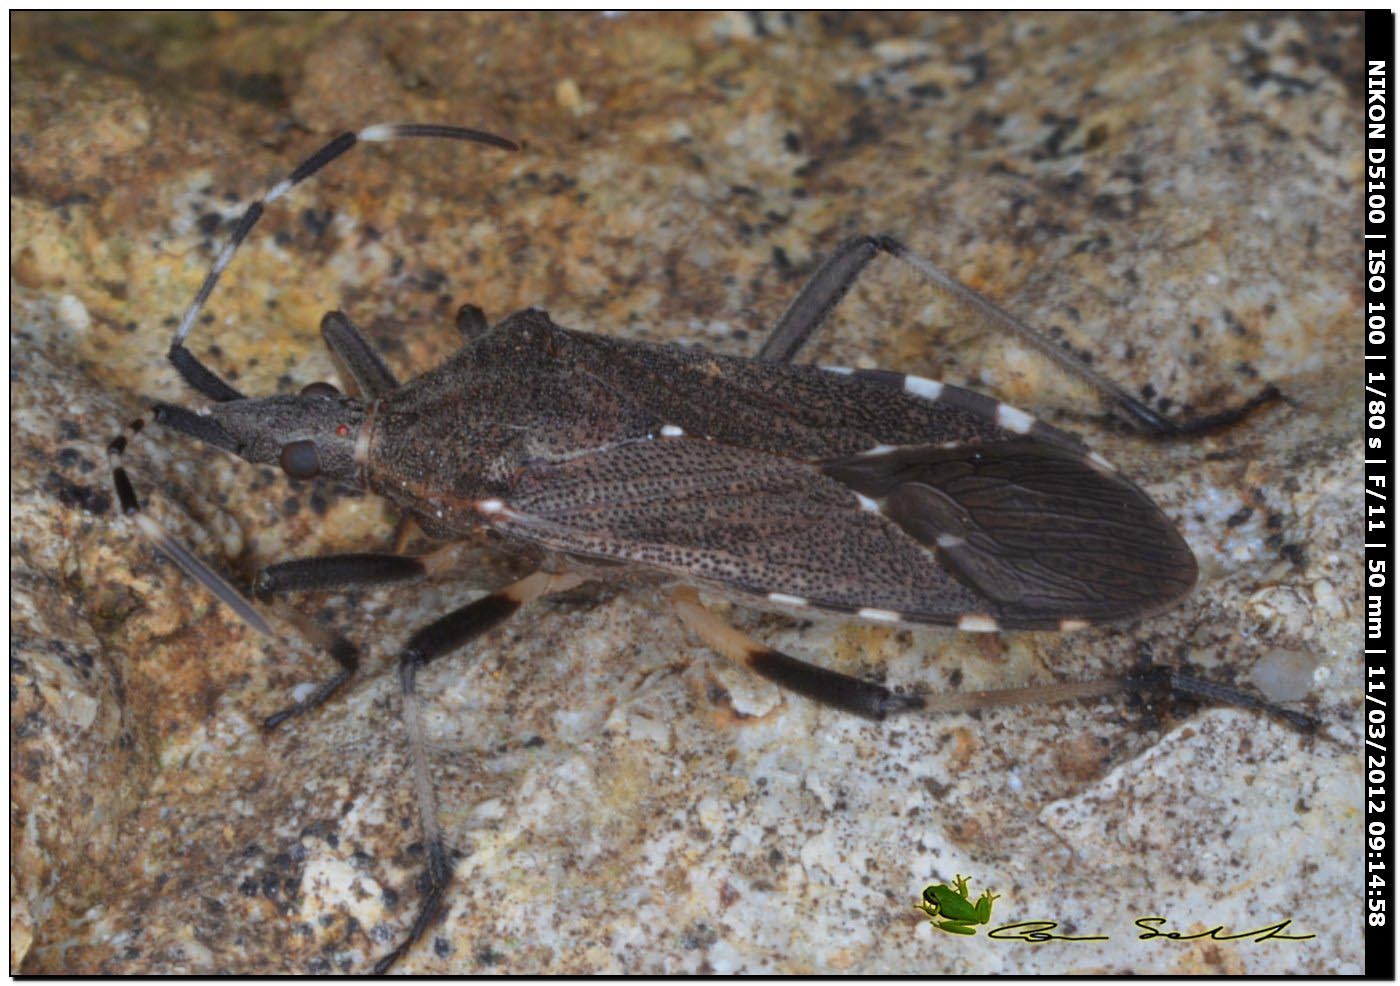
point(319, 389)
point(300, 460)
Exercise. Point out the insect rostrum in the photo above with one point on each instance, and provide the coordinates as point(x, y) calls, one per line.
point(868, 494)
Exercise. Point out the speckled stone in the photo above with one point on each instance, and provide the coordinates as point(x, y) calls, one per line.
point(1173, 196)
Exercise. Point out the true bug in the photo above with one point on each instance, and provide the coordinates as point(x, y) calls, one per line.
point(867, 494)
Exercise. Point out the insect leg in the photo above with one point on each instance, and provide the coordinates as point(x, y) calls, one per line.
point(1162, 678)
point(1142, 417)
point(840, 271)
point(195, 373)
point(192, 565)
point(1157, 679)
point(822, 292)
point(875, 701)
point(403, 533)
point(338, 572)
point(352, 570)
point(841, 691)
point(440, 637)
point(356, 356)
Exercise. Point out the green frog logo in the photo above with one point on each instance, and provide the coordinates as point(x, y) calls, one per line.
point(949, 909)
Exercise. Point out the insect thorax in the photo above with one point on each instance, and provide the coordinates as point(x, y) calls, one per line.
point(456, 438)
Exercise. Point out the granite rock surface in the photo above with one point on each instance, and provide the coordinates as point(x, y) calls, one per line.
point(1173, 197)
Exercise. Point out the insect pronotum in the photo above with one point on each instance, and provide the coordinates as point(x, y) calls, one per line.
point(867, 494)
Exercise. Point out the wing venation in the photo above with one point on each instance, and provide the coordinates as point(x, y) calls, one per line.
point(1028, 534)
point(738, 519)
point(1039, 530)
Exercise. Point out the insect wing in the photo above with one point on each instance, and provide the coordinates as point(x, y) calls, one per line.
point(1014, 535)
point(1042, 532)
point(802, 412)
point(866, 492)
point(742, 520)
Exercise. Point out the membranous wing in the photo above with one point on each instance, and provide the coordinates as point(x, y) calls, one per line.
point(1010, 534)
point(1046, 534)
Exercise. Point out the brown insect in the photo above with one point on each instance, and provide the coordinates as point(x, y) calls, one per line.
point(868, 494)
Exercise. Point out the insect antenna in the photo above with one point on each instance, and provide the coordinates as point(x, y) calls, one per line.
point(344, 340)
point(194, 372)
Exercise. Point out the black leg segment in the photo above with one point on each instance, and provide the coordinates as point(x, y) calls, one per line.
point(840, 691)
point(1162, 679)
point(437, 878)
point(825, 289)
point(454, 630)
point(346, 571)
point(438, 638)
point(822, 292)
point(356, 356)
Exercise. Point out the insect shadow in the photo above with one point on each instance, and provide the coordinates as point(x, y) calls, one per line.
point(867, 494)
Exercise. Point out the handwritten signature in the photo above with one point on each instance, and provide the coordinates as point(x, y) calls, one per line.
point(1036, 932)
